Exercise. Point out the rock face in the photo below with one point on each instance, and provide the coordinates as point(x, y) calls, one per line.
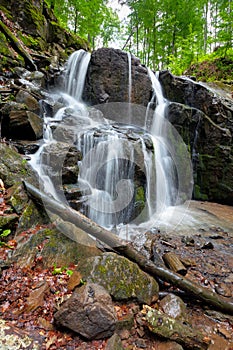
point(202, 117)
point(36, 27)
point(205, 121)
point(108, 79)
point(89, 312)
point(21, 124)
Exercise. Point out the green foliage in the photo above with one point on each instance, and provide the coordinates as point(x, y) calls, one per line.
point(5, 233)
point(61, 270)
point(92, 20)
point(174, 34)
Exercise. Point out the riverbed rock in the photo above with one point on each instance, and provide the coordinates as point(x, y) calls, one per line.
point(174, 307)
point(122, 278)
point(108, 79)
point(204, 119)
point(89, 312)
point(60, 160)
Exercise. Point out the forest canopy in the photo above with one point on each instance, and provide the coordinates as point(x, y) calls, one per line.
point(163, 33)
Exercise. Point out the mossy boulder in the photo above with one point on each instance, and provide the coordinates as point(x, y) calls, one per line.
point(122, 278)
point(55, 249)
point(8, 221)
point(13, 168)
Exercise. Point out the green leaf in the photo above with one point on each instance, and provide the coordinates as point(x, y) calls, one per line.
point(5, 233)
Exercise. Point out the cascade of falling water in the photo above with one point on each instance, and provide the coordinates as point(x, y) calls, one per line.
point(76, 73)
point(129, 84)
point(74, 82)
point(130, 76)
point(165, 168)
point(109, 158)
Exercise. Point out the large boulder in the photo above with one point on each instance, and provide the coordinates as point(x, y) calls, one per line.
point(205, 121)
point(89, 312)
point(122, 278)
point(56, 247)
point(108, 79)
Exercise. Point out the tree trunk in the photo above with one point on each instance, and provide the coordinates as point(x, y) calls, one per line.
point(124, 248)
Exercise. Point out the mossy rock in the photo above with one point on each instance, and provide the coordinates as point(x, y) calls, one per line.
point(56, 249)
point(8, 221)
point(13, 168)
point(17, 197)
point(122, 278)
point(31, 217)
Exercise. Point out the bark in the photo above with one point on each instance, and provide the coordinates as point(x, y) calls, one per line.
point(174, 263)
point(17, 46)
point(172, 329)
point(75, 217)
point(124, 248)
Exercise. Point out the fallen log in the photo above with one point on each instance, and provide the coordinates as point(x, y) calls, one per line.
point(126, 249)
point(174, 263)
point(172, 329)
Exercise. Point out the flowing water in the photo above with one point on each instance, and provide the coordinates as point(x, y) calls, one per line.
point(115, 157)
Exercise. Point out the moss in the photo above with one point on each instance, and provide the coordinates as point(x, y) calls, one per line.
point(6, 12)
point(198, 195)
point(122, 278)
point(29, 40)
point(56, 249)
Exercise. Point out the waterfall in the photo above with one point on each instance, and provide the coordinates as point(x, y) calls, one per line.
point(125, 168)
point(130, 76)
point(163, 161)
point(76, 73)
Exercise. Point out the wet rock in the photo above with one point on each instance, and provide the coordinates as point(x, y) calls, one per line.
point(26, 98)
point(60, 162)
point(174, 306)
point(89, 312)
point(114, 343)
point(107, 79)
point(174, 330)
point(122, 278)
point(26, 147)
